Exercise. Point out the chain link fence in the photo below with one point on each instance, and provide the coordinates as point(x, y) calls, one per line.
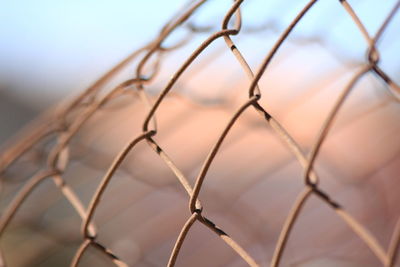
point(132, 172)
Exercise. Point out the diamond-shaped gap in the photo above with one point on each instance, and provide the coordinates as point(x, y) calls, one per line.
point(242, 162)
point(141, 208)
point(99, 141)
point(250, 154)
point(122, 192)
point(309, 89)
point(268, 202)
point(353, 154)
point(156, 255)
point(149, 160)
point(341, 182)
point(287, 78)
point(306, 81)
point(188, 131)
point(369, 200)
point(109, 129)
point(364, 145)
point(144, 225)
point(364, 119)
point(142, 181)
point(319, 234)
point(207, 79)
point(179, 131)
point(306, 118)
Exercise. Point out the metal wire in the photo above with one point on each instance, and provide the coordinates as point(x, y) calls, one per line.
point(63, 125)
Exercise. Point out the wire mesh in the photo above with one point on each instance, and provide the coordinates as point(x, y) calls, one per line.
point(55, 144)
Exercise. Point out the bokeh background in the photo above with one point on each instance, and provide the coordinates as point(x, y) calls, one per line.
point(52, 50)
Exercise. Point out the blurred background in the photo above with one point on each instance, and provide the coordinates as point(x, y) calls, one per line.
point(51, 51)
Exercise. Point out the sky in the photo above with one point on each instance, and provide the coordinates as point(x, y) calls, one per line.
point(57, 48)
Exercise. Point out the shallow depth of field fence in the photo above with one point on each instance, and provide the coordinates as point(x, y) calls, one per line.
point(174, 171)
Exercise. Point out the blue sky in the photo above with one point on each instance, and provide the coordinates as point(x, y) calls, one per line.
point(58, 47)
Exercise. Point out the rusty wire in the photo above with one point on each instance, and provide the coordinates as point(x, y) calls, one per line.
point(63, 124)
